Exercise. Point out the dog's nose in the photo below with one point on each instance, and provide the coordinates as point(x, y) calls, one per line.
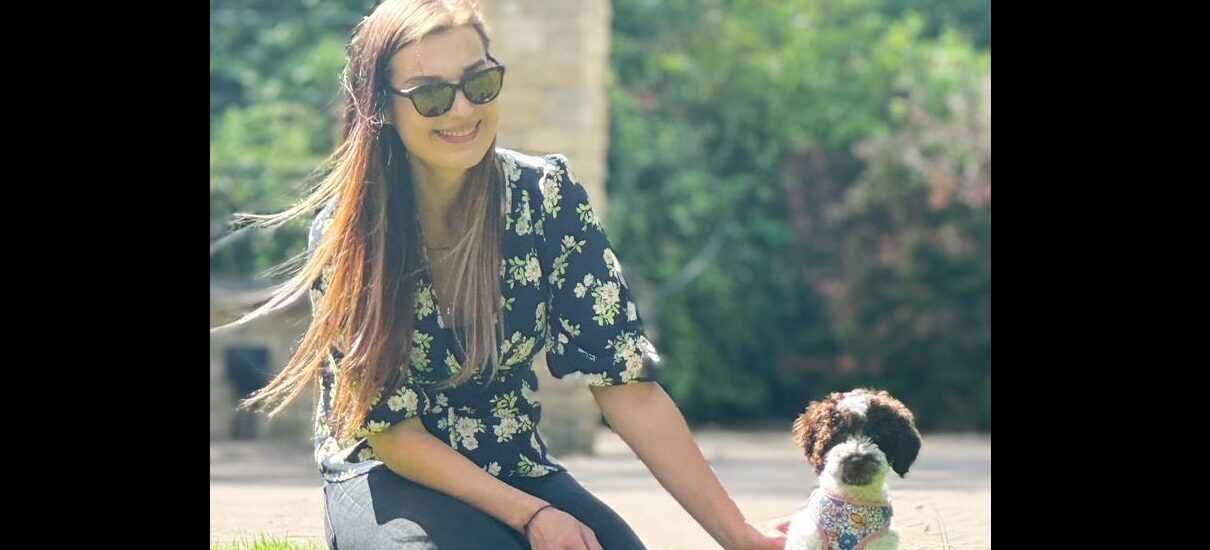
point(859, 469)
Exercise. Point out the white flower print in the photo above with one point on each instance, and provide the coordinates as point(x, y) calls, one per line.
point(540, 317)
point(570, 244)
point(582, 288)
point(528, 468)
point(462, 428)
point(420, 350)
point(558, 272)
point(528, 394)
point(551, 196)
point(523, 227)
point(425, 303)
point(509, 423)
point(466, 428)
point(504, 405)
point(440, 403)
point(533, 270)
point(630, 350)
point(505, 429)
point(520, 348)
point(611, 261)
point(607, 303)
point(521, 352)
point(524, 271)
point(512, 172)
point(569, 327)
point(587, 217)
point(557, 343)
point(404, 398)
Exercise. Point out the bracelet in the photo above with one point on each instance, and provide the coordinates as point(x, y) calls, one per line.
point(525, 528)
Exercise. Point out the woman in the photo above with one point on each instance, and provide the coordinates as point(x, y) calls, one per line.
point(437, 267)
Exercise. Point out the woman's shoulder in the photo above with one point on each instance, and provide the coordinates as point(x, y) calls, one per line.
point(529, 170)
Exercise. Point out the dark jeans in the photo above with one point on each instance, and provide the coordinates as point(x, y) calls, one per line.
point(383, 511)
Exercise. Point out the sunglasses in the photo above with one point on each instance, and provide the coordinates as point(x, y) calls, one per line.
point(433, 100)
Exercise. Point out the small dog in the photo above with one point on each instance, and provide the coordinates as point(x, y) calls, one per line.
point(852, 439)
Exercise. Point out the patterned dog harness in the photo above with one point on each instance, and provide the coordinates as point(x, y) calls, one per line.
point(847, 524)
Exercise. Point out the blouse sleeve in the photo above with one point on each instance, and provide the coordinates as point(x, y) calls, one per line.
point(595, 328)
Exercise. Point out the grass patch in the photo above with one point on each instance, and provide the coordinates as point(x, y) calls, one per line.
point(267, 543)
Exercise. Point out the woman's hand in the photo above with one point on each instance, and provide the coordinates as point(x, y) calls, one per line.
point(752, 538)
point(554, 529)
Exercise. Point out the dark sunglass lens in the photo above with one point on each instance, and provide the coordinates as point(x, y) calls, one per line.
point(483, 87)
point(433, 100)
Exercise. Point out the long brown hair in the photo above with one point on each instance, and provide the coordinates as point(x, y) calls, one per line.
point(369, 256)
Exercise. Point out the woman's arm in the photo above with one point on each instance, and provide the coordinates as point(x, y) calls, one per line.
point(649, 422)
point(412, 452)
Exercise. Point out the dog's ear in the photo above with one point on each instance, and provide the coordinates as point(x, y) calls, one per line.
point(814, 429)
point(892, 427)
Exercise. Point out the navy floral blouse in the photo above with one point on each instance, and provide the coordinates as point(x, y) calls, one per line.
point(563, 291)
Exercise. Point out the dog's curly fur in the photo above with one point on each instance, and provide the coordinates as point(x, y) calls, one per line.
point(852, 440)
point(888, 422)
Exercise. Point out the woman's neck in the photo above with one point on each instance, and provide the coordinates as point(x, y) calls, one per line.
point(436, 192)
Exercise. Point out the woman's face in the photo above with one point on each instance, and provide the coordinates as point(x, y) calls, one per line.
point(457, 139)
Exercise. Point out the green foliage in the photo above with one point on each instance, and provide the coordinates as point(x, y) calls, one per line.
point(805, 133)
point(274, 69)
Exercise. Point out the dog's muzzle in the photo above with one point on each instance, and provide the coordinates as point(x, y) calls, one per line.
point(859, 469)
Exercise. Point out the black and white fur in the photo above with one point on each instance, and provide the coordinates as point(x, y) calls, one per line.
point(853, 440)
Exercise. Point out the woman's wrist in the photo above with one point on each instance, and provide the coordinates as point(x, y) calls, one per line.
point(534, 515)
point(525, 511)
point(735, 534)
